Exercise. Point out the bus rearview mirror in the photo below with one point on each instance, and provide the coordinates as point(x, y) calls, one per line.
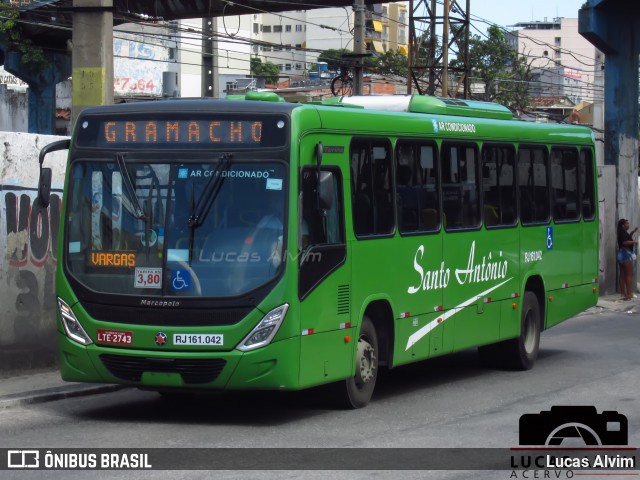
point(44, 187)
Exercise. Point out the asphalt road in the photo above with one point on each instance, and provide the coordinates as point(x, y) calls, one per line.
point(592, 359)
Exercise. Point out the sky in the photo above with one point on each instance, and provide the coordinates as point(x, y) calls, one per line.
point(510, 12)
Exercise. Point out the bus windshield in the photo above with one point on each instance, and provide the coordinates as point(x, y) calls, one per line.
point(211, 229)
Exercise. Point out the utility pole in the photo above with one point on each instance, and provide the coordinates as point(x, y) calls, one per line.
point(209, 72)
point(445, 50)
point(92, 54)
point(424, 58)
point(358, 45)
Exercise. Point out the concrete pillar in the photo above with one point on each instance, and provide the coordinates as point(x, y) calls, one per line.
point(621, 126)
point(42, 87)
point(610, 25)
point(359, 48)
point(92, 78)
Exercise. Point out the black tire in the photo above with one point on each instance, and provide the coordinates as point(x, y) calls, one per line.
point(341, 87)
point(518, 353)
point(356, 392)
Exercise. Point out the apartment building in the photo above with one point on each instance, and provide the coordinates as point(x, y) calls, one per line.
point(395, 27)
point(557, 47)
point(228, 49)
point(283, 38)
point(294, 40)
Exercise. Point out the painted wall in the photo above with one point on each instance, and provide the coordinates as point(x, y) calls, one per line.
point(13, 109)
point(138, 66)
point(608, 243)
point(28, 239)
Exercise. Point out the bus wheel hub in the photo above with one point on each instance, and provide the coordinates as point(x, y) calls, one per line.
point(367, 360)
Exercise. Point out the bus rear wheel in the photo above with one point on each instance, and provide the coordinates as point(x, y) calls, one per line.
point(519, 353)
point(355, 392)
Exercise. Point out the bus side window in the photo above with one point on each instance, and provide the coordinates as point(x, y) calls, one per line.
point(321, 237)
point(498, 185)
point(371, 192)
point(564, 183)
point(533, 185)
point(318, 226)
point(587, 185)
point(417, 186)
point(460, 185)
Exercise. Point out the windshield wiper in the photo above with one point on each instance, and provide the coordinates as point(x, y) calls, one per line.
point(211, 190)
point(128, 183)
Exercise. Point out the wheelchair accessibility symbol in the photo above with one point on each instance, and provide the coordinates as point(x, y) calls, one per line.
point(549, 238)
point(180, 280)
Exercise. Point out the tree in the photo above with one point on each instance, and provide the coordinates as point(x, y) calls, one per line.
point(30, 54)
point(334, 58)
point(269, 71)
point(505, 74)
point(389, 63)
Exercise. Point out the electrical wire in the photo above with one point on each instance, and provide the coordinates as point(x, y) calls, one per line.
point(251, 42)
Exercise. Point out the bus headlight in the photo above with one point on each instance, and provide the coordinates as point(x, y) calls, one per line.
point(72, 325)
point(266, 329)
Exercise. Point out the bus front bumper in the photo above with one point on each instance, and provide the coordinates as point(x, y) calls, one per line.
point(275, 366)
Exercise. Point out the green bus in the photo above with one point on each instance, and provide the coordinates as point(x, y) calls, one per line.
point(259, 244)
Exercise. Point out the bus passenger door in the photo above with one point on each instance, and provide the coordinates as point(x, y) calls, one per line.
point(590, 230)
point(474, 255)
point(324, 279)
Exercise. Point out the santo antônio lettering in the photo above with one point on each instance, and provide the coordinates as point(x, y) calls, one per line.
point(182, 132)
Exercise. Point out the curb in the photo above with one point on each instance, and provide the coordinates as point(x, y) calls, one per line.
point(56, 393)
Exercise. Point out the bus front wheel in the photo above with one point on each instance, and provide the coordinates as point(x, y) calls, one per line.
point(519, 353)
point(355, 392)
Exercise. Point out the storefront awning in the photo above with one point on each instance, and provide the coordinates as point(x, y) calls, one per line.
point(377, 46)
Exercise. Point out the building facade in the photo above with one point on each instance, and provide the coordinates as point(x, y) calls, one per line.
point(395, 27)
point(294, 40)
point(228, 48)
point(549, 45)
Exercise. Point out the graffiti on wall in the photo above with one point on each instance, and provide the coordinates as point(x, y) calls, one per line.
point(10, 80)
point(31, 234)
point(138, 67)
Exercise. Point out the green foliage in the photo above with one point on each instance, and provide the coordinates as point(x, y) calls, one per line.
point(425, 50)
point(30, 54)
point(505, 74)
point(269, 71)
point(390, 63)
point(334, 58)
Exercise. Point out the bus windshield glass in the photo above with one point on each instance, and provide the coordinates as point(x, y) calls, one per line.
point(210, 229)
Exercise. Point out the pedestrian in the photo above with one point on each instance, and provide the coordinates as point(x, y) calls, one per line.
point(625, 258)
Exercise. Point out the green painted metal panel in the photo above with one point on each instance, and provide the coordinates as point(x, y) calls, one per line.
point(446, 290)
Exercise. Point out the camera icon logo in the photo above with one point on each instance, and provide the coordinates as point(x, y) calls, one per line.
point(23, 458)
point(573, 426)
